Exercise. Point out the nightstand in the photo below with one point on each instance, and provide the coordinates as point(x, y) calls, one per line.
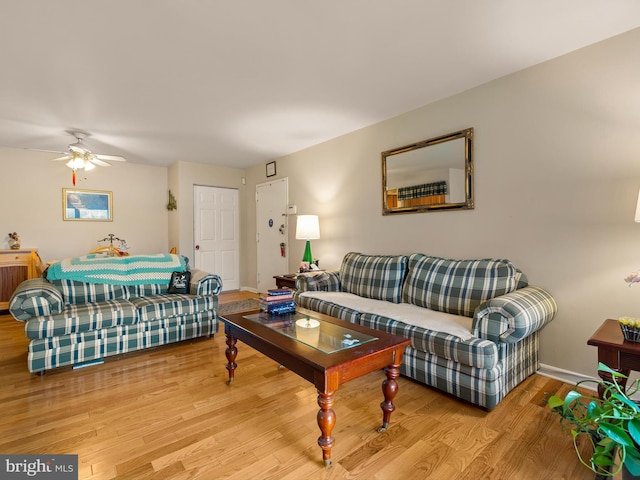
point(15, 267)
point(615, 352)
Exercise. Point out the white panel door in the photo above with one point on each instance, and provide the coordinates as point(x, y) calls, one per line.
point(217, 233)
point(271, 228)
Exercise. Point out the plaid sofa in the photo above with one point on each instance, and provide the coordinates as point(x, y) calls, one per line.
point(71, 322)
point(473, 324)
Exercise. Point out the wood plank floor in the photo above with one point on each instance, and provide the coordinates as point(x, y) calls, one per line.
point(166, 413)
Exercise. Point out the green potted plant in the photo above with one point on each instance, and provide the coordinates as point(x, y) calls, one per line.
point(611, 423)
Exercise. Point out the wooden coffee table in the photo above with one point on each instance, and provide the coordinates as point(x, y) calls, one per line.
point(324, 350)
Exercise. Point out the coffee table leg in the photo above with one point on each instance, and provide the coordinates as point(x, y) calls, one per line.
point(389, 389)
point(231, 352)
point(326, 422)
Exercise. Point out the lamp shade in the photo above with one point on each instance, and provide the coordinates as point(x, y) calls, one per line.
point(307, 227)
point(638, 209)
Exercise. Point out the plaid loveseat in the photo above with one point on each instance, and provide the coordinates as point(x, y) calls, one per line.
point(473, 324)
point(70, 322)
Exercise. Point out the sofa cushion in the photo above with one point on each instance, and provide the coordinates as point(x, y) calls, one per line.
point(406, 313)
point(172, 305)
point(147, 290)
point(456, 286)
point(470, 351)
point(317, 302)
point(81, 292)
point(81, 318)
point(373, 276)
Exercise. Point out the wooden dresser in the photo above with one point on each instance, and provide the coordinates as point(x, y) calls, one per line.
point(15, 267)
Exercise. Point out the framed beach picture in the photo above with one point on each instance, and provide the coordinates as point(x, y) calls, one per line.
point(91, 205)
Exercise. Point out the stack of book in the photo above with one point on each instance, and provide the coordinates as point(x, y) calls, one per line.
point(278, 301)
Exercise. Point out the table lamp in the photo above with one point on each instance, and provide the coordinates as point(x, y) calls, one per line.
point(307, 228)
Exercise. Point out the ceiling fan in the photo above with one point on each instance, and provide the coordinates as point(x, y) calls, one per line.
point(80, 157)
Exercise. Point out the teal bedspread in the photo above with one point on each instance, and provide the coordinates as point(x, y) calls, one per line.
point(132, 270)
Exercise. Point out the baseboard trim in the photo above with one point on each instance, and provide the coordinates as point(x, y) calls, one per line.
point(565, 376)
point(249, 289)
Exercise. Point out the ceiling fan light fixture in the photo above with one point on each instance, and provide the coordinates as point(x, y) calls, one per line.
point(79, 148)
point(75, 163)
point(89, 166)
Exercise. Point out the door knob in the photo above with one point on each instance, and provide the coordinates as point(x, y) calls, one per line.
point(197, 247)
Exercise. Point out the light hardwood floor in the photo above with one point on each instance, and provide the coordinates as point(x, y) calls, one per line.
point(166, 413)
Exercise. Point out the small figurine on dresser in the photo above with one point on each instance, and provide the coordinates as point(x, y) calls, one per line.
point(14, 241)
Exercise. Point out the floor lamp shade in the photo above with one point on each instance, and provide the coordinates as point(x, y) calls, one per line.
point(307, 228)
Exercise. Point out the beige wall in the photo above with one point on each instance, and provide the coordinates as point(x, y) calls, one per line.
point(31, 197)
point(557, 176)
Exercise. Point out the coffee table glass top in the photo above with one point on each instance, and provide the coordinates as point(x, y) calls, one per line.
point(324, 336)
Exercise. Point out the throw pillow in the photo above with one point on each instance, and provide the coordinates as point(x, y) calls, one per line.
point(456, 286)
point(179, 282)
point(378, 277)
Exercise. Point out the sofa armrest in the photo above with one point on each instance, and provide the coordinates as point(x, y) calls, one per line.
point(510, 318)
point(318, 281)
point(203, 283)
point(35, 297)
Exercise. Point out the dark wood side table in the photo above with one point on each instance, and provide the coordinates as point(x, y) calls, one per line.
point(615, 352)
point(286, 281)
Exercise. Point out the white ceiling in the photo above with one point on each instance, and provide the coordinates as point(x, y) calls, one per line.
point(240, 82)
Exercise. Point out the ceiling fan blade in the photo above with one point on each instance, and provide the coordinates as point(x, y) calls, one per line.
point(48, 151)
point(97, 161)
point(111, 158)
point(65, 157)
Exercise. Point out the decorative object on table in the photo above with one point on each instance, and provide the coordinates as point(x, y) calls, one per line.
point(630, 328)
point(611, 423)
point(633, 277)
point(271, 169)
point(79, 157)
point(172, 205)
point(308, 331)
point(14, 241)
point(89, 205)
point(277, 301)
point(112, 250)
point(307, 228)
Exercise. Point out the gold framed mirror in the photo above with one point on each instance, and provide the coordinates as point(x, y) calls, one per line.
point(431, 175)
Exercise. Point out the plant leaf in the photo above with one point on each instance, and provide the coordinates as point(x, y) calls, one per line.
point(615, 374)
point(616, 433)
point(634, 431)
point(554, 402)
point(626, 401)
point(633, 465)
point(593, 410)
point(571, 397)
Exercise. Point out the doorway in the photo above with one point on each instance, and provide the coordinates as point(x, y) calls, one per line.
point(216, 233)
point(272, 232)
